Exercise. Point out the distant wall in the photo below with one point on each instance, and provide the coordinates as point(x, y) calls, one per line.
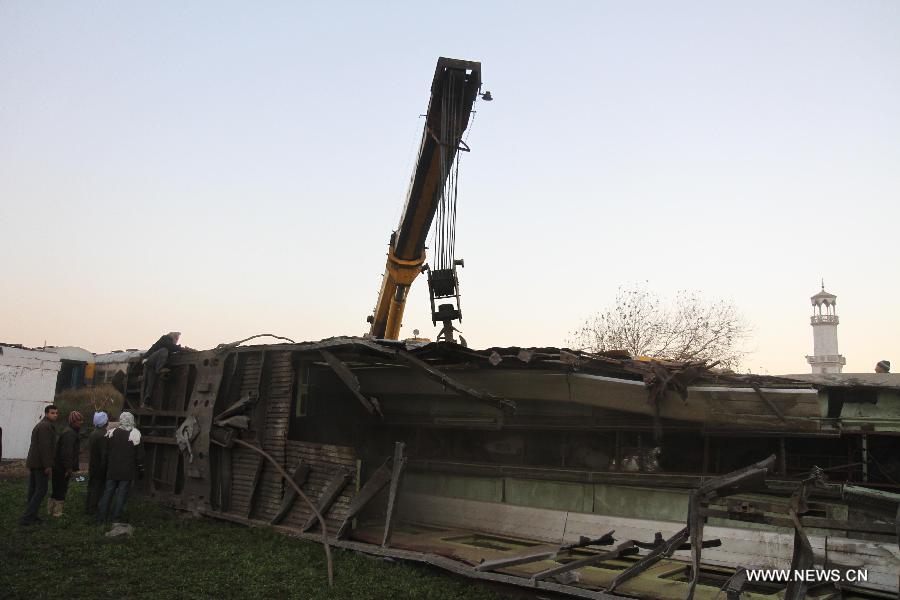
point(27, 385)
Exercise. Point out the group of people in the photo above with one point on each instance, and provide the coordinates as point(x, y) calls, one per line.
point(116, 460)
point(116, 455)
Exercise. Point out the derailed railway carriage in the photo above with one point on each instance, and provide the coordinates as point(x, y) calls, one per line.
point(596, 476)
point(591, 475)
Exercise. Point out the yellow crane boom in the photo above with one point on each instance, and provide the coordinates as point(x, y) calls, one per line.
point(454, 89)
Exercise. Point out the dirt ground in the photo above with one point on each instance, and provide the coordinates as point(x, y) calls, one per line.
point(13, 469)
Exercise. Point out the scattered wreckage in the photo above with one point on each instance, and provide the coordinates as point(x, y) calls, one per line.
point(591, 475)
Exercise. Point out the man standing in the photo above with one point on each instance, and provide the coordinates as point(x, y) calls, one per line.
point(40, 462)
point(125, 460)
point(883, 366)
point(66, 463)
point(97, 462)
point(155, 360)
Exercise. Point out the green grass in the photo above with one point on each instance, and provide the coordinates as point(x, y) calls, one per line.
point(174, 556)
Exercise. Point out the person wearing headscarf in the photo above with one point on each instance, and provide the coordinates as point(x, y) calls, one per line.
point(65, 463)
point(97, 444)
point(125, 461)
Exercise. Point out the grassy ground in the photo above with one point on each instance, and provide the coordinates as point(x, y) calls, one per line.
point(174, 556)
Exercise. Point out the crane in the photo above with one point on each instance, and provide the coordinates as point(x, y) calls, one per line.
point(431, 195)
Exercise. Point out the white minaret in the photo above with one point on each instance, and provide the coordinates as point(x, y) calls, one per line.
point(824, 322)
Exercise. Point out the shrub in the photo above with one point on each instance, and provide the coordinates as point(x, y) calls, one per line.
point(87, 401)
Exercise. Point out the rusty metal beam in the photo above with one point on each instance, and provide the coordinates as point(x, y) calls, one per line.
point(237, 408)
point(530, 555)
point(770, 404)
point(455, 566)
point(254, 485)
point(544, 553)
point(748, 478)
point(662, 551)
point(225, 478)
point(399, 463)
point(801, 559)
point(329, 495)
point(735, 585)
point(446, 380)
point(299, 476)
point(624, 549)
point(751, 477)
point(370, 489)
point(350, 380)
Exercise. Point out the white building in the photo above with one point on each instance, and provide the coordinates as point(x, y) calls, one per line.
point(27, 385)
point(824, 321)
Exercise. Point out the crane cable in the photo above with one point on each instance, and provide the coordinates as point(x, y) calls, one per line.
point(444, 233)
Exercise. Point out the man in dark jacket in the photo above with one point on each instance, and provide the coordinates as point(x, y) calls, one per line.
point(41, 454)
point(97, 445)
point(125, 459)
point(155, 361)
point(66, 463)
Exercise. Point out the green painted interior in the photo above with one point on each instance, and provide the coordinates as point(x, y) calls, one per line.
point(884, 415)
point(639, 502)
point(598, 498)
point(557, 495)
point(613, 500)
point(487, 489)
point(602, 499)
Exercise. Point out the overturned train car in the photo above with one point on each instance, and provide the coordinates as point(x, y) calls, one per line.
point(591, 475)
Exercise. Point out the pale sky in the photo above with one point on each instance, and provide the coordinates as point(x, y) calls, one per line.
point(226, 169)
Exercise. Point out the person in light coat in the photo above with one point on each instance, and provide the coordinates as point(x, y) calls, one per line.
point(125, 462)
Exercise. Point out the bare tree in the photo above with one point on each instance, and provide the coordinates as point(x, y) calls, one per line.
point(687, 328)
